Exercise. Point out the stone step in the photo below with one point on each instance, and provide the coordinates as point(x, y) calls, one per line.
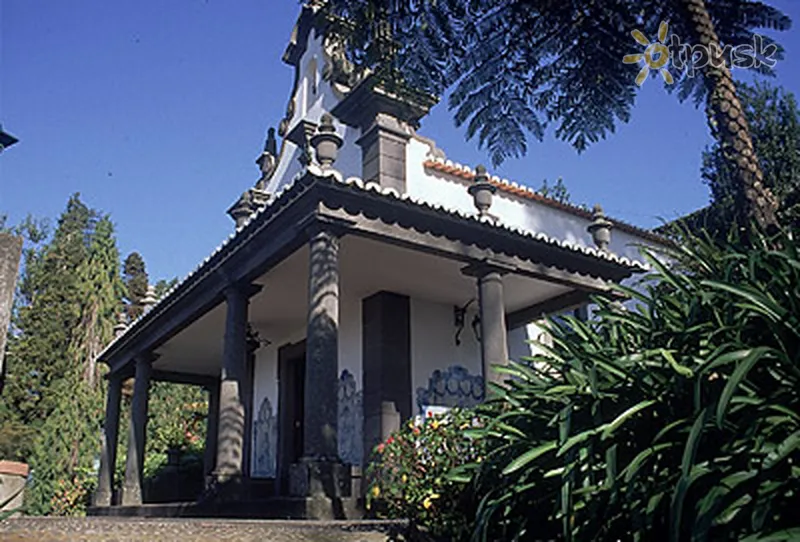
point(278, 508)
point(106, 529)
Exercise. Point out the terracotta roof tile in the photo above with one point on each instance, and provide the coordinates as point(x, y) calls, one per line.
point(464, 172)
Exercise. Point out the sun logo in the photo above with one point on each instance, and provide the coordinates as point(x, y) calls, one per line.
point(655, 57)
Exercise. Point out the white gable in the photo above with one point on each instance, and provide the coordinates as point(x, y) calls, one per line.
point(314, 94)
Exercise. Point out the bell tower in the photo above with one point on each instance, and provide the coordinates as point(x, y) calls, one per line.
point(375, 115)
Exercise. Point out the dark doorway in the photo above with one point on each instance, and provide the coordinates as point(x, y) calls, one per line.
point(291, 398)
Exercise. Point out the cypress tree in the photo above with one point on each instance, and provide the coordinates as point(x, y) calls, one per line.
point(69, 290)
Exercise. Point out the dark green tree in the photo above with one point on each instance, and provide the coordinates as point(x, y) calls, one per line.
point(103, 289)
point(136, 282)
point(514, 67)
point(775, 126)
point(68, 292)
point(558, 191)
point(47, 316)
point(163, 286)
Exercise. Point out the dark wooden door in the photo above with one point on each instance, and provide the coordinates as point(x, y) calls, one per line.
point(291, 407)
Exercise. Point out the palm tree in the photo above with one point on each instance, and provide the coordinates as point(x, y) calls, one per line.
point(728, 123)
point(513, 67)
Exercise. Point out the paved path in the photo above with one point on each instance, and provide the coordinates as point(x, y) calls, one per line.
point(95, 529)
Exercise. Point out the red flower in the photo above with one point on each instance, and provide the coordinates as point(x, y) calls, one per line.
point(380, 448)
point(389, 440)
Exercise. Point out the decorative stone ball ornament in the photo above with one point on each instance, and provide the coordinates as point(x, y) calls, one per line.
point(121, 325)
point(482, 191)
point(326, 142)
point(600, 228)
point(149, 301)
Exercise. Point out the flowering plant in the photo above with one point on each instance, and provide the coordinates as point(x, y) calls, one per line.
point(411, 474)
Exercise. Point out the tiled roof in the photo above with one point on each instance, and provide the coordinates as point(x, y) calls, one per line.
point(463, 172)
point(285, 195)
point(474, 217)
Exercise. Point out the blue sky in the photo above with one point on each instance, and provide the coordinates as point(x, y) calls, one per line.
point(155, 112)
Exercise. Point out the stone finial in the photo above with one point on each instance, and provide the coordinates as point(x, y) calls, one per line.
point(249, 203)
point(268, 159)
point(271, 145)
point(482, 191)
point(326, 142)
point(242, 209)
point(121, 325)
point(600, 228)
point(150, 299)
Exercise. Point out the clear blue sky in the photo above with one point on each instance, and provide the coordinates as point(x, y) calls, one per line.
point(155, 111)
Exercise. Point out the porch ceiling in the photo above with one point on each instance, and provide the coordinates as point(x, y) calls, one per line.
point(366, 267)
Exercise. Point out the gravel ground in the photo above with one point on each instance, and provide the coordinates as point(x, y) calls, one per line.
point(96, 529)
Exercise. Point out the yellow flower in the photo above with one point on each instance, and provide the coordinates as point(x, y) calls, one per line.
point(376, 491)
point(435, 424)
point(404, 478)
point(428, 501)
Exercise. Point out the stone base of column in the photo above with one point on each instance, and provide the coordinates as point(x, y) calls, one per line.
point(325, 508)
point(226, 487)
point(319, 478)
point(102, 498)
point(131, 495)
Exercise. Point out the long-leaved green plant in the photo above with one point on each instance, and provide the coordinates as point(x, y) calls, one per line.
point(673, 417)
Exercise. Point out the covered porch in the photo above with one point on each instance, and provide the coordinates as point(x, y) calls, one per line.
point(321, 324)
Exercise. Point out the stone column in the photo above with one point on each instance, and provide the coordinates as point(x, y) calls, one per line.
point(322, 343)
point(132, 487)
point(108, 450)
point(320, 473)
point(494, 340)
point(231, 428)
point(210, 453)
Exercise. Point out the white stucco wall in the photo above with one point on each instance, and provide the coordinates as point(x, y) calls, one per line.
point(523, 340)
point(447, 190)
point(313, 97)
point(265, 379)
point(433, 343)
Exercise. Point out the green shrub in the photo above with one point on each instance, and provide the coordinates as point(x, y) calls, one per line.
point(411, 474)
point(16, 441)
point(676, 419)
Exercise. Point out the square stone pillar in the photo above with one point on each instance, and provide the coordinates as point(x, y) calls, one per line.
point(320, 473)
point(386, 366)
point(384, 152)
point(108, 449)
point(134, 464)
point(494, 335)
